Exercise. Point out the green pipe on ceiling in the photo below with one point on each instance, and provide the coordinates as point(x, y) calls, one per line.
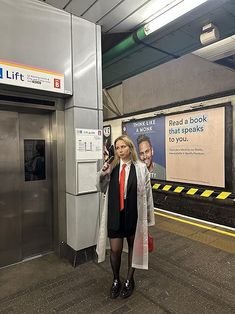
point(125, 45)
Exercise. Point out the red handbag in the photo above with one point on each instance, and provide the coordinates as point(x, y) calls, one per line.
point(140, 247)
point(150, 243)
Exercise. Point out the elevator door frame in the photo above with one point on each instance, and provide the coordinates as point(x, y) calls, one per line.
point(57, 126)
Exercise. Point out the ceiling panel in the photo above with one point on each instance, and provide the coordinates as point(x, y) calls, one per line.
point(223, 19)
point(230, 7)
point(79, 7)
point(100, 9)
point(173, 42)
point(130, 66)
point(60, 4)
point(124, 10)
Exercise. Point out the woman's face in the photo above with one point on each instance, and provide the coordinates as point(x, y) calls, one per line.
point(122, 150)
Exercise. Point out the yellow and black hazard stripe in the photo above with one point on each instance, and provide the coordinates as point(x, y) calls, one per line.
point(192, 191)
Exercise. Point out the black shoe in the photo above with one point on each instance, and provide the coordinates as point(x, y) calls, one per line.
point(127, 289)
point(115, 289)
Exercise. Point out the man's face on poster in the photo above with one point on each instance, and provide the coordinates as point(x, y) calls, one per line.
point(146, 153)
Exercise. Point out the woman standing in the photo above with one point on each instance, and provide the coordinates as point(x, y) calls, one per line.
point(127, 213)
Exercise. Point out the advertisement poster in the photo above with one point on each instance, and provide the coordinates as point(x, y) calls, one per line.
point(187, 147)
point(195, 147)
point(148, 136)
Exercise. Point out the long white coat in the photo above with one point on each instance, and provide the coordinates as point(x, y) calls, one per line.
point(146, 218)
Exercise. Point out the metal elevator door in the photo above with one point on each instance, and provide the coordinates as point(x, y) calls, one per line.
point(25, 186)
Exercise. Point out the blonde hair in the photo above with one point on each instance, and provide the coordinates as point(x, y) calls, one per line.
point(131, 146)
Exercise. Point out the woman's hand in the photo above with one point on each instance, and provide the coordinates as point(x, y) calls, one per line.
point(106, 169)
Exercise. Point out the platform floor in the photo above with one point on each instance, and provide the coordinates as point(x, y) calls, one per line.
point(191, 271)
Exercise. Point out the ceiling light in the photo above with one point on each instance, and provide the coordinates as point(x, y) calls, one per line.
point(219, 50)
point(181, 8)
point(159, 7)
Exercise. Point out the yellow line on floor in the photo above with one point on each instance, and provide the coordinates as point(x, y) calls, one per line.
point(196, 224)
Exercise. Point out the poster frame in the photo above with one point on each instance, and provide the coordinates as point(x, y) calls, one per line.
point(228, 132)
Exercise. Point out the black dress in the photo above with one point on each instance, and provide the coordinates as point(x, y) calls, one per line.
point(122, 224)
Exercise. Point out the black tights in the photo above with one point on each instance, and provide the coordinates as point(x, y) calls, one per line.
point(116, 245)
